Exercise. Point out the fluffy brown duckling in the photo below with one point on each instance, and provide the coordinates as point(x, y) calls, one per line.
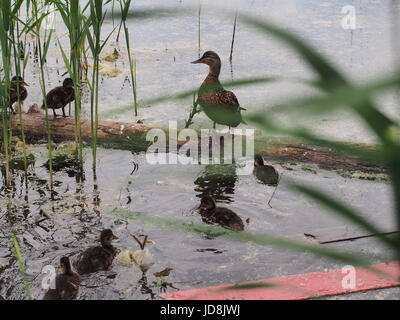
point(219, 105)
point(97, 257)
point(18, 91)
point(222, 216)
point(59, 97)
point(265, 173)
point(67, 283)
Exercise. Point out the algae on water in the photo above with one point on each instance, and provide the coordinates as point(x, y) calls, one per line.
point(64, 156)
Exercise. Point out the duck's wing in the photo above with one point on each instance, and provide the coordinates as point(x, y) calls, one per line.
point(13, 93)
point(222, 99)
point(67, 287)
point(54, 97)
point(93, 259)
point(228, 97)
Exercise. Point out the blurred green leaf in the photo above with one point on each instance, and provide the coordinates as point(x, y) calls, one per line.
point(347, 213)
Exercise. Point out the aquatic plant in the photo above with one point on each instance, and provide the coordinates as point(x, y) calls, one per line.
point(96, 46)
point(35, 27)
point(233, 37)
point(125, 6)
point(5, 26)
point(77, 25)
point(199, 28)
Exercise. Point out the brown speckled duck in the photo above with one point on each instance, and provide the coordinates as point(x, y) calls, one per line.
point(265, 173)
point(18, 91)
point(222, 216)
point(97, 257)
point(67, 283)
point(59, 97)
point(219, 105)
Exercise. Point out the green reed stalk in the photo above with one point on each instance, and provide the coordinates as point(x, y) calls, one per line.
point(233, 37)
point(21, 267)
point(5, 21)
point(42, 51)
point(17, 65)
point(75, 62)
point(125, 4)
point(193, 112)
point(77, 25)
point(96, 20)
point(199, 29)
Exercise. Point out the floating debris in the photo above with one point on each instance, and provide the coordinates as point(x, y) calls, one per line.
point(112, 57)
point(163, 273)
point(125, 258)
point(64, 156)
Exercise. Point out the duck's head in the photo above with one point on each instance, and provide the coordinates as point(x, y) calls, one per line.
point(68, 83)
point(207, 203)
point(209, 58)
point(65, 265)
point(19, 80)
point(258, 161)
point(107, 237)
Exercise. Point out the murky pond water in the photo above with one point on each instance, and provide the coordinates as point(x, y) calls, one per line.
point(66, 222)
point(69, 221)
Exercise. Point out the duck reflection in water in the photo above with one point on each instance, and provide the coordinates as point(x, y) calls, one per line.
point(218, 181)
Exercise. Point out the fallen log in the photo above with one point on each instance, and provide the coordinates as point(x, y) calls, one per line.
point(132, 136)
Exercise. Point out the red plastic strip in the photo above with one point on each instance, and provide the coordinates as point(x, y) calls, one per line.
point(299, 286)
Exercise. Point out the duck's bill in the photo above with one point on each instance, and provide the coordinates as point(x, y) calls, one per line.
point(115, 237)
point(25, 84)
point(196, 61)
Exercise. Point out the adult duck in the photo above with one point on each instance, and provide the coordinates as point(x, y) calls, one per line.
point(218, 104)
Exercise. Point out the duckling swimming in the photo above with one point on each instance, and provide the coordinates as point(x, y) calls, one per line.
point(67, 283)
point(222, 216)
point(219, 105)
point(59, 97)
point(18, 91)
point(265, 173)
point(97, 257)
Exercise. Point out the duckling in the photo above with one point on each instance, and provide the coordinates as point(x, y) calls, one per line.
point(219, 105)
point(67, 283)
point(97, 257)
point(265, 173)
point(18, 91)
point(222, 216)
point(60, 96)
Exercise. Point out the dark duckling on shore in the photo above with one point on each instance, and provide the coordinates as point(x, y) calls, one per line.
point(97, 257)
point(18, 91)
point(59, 97)
point(223, 216)
point(265, 173)
point(67, 283)
point(218, 104)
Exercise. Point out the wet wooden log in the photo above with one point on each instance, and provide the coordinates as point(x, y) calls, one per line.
point(132, 136)
point(119, 134)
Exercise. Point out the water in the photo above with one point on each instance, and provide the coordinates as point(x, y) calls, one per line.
point(65, 223)
point(48, 229)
